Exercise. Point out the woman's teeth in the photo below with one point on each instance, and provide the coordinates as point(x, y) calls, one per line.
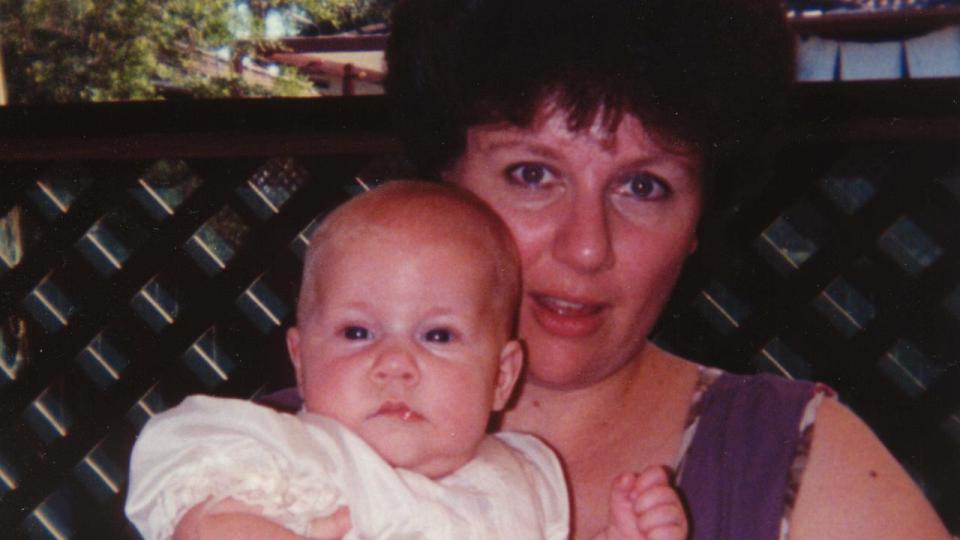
point(566, 307)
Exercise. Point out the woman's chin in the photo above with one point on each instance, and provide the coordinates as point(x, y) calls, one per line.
point(568, 366)
point(560, 375)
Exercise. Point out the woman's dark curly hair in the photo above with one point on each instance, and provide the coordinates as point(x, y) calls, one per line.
point(711, 73)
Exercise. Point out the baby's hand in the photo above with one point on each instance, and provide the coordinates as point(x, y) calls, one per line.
point(645, 506)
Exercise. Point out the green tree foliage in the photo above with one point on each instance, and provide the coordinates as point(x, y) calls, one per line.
point(347, 14)
point(97, 50)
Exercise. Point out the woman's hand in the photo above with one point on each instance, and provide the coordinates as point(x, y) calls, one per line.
point(854, 489)
point(232, 520)
point(333, 527)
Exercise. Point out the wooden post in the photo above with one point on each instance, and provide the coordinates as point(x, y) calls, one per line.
point(236, 64)
point(348, 77)
point(3, 79)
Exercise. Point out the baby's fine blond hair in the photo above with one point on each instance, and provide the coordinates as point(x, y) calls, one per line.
point(401, 206)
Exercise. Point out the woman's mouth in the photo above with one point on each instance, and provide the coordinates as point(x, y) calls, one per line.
point(398, 410)
point(565, 317)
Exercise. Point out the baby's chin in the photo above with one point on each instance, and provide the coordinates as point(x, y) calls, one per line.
point(411, 445)
point(433, 465)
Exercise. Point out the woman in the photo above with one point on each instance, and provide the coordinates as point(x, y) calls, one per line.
point(595, 129)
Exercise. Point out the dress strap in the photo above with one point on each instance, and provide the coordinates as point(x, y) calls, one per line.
point(706, 376)
point(743, 453)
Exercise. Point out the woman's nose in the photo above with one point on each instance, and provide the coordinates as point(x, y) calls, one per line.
point(395, 364)
point(582, 240)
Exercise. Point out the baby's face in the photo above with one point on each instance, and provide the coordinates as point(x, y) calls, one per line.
point(404, 346)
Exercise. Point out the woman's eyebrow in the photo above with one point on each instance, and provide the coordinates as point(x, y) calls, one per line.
point(663, 159)
point(510, 143)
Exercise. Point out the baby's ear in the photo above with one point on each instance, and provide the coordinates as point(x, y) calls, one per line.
point(293, 349)
point(511, 363)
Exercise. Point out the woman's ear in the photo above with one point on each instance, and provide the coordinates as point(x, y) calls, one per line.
point(694, 244)
point(511, 363)
point(293, 349)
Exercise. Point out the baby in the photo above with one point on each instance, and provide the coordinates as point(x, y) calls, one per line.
point(402, 351)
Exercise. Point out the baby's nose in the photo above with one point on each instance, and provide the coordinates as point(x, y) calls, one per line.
point(396, 363)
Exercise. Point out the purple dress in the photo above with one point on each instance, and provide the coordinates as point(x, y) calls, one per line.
point(746, 445)
point(746, 442)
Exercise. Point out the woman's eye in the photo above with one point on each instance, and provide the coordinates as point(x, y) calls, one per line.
point(529, 174)
point(646, 186)
point(356, 333)
point(438, 335)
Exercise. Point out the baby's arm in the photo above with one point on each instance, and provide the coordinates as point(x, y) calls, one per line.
point(210, 449)
point(645, 506)
point(232, 520)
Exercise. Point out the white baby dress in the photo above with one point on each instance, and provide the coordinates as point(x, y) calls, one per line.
point(302, 467)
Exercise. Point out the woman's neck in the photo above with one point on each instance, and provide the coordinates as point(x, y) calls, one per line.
point(564, 416)
point(626, 422)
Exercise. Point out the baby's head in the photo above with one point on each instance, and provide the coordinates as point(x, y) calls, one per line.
point(405, 322)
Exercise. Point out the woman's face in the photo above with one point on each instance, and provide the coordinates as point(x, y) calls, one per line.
point(603, 220)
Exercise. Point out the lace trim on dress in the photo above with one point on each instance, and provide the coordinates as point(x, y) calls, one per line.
point(802, 456)
point(705, 378)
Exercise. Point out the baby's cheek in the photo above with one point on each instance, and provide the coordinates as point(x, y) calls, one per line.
point(470, 413)
point(323, 389)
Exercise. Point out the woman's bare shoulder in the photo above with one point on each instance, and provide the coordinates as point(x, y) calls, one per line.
point(853, 488)
point(665, 368)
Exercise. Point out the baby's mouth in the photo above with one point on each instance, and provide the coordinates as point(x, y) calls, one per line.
point(398, 410)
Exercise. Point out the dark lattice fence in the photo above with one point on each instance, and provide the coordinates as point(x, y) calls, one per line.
point(849, 275)
point(129, 281)
point(133, 285)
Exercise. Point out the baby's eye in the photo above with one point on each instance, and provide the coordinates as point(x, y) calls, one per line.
point(438, 335)
point(529, 174)
point(356, 333)
point(645, 186)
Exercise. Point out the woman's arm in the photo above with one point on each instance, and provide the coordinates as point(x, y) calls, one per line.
point(854, 489)
point(232, 520)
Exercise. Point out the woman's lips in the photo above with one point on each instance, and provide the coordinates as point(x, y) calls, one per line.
point(565, 317)
point(398, 410)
